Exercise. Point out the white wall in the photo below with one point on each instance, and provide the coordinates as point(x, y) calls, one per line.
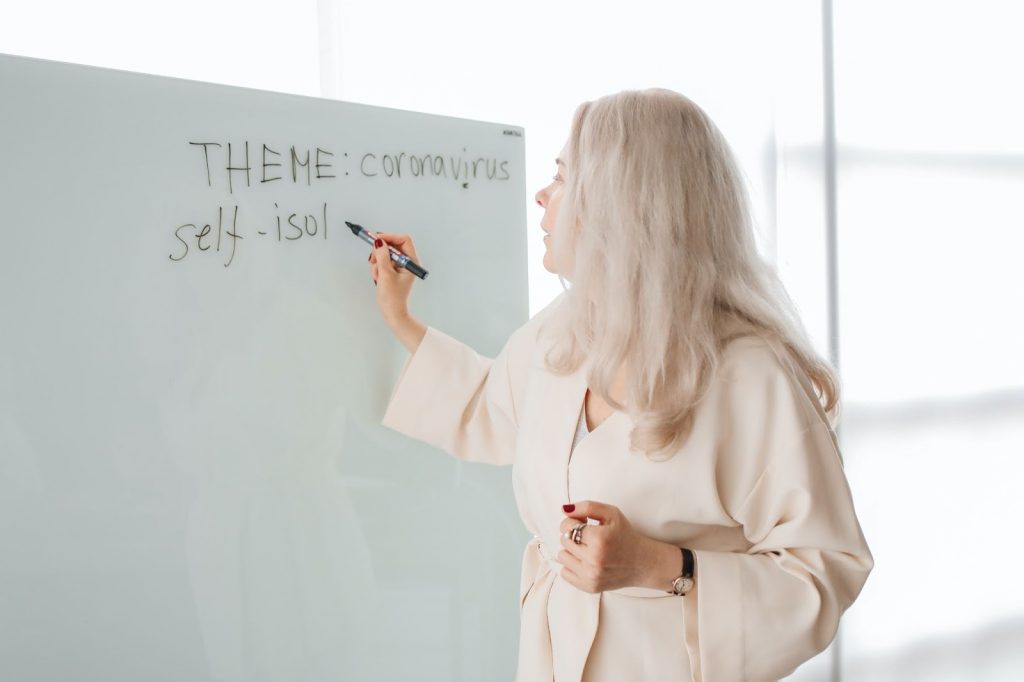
point(254, 44)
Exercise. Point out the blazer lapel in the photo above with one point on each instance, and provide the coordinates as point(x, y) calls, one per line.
point(571, 393)
point(562, 401)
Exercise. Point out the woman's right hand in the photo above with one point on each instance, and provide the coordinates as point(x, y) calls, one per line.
point(394, 283)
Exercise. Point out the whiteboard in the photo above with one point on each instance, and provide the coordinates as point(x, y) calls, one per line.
point(194, 483)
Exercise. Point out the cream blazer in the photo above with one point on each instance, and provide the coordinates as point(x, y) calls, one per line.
point(757, 492)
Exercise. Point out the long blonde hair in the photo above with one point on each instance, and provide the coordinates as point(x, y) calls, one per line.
point(655, 223)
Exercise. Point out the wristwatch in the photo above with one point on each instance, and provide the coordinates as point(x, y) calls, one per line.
point(684, 583)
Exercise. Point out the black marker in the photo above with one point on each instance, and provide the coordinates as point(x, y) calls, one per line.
point(396, 255)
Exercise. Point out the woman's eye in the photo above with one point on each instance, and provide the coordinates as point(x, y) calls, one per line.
point(556, 178)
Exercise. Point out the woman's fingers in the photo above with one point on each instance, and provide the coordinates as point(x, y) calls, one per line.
point(402, 242)
point(393, 238)
point(381, 254)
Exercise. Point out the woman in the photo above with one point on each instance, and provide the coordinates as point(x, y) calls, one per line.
point(709, 531)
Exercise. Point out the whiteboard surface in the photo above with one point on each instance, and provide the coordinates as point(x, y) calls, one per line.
point(194, 484)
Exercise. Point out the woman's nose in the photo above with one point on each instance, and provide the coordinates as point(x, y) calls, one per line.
point(537, 197)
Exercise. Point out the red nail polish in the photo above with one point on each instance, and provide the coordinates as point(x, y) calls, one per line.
point(568, 508)
point(377, 243)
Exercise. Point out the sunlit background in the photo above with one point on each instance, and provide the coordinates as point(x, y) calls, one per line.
point(883, 147)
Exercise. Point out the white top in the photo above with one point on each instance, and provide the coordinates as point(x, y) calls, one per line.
point(581, 427)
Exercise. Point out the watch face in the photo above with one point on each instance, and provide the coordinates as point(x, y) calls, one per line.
point(682, 585)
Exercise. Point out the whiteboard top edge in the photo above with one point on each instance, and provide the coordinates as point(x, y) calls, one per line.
point(143, 74)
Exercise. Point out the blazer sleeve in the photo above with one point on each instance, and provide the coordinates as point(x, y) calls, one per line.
point(759, 614)
point(467, 404)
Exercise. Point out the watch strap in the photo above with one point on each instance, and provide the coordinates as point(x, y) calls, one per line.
point(684, 583)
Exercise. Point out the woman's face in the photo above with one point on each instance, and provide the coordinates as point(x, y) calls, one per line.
point(550, 197)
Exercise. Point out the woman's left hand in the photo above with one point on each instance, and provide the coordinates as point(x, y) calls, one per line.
point(610, 556)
